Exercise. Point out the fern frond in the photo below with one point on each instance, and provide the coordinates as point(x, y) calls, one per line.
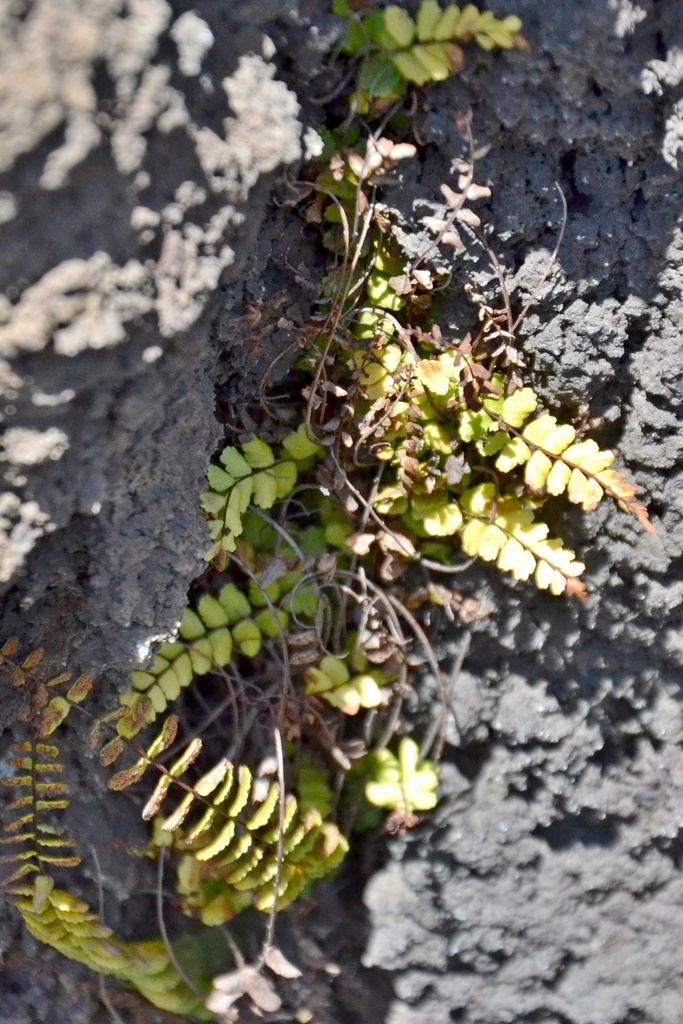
point(47, 712)
point(332, 681)
point(68, 925)
point(230, 852)
point(503, 531)
point(40, 793)
point(401, 782)
point(255, 475)
point(129, 776)
point(400, 51)
point(232, 623)
point(555, 463)
point(39, 846)
point(207, 637)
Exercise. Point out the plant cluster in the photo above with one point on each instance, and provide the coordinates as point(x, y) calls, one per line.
point(39, 847)
point(461, 450)
point(333, 521)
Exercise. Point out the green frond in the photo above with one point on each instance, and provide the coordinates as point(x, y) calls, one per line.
point(253, 475)
point(230, 851)
point(555, 463)
point(236, 622)
point(208, 635)
point(401, 783)
point(332, 681)
point(420, 51)
point(58, 919)
point(37, 843)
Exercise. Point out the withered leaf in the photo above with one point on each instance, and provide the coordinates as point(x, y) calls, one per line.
point(94, 735)
point(454, 199)
point(127, 777)
point(469, 218)
point(401, 284)
point(434, 224)
point(110, 751)
point(411, 467)
point(475, 192)
point(80, 688)
point(16, 676)
point(304, 639)
point(280, 965)
point(307, 656)
point(247, 980)
point(424, 279)
point(396, 543)
point(33, 659)
point(360, 543)
point(454, 469)
point(456, 56)
point(57, 680)
point(391, 569)
point(53, 716)
point(453, 238)
point(9, 647)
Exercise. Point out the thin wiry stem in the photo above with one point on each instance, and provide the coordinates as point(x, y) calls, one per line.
point(431, 657)
point(287, 537)
point(162, 925)
point(549, 264)
point(270, 931)
point(453, 676)
point(101, 985)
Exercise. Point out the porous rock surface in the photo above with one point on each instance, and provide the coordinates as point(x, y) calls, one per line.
point(134, 137)
point(546, 887)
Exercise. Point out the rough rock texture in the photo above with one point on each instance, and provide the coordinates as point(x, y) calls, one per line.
point(546, 887)
point(137, 144)
point(133, 140)
point(133, 136)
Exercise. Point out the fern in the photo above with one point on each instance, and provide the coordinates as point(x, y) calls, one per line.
point(401, 782)
point(399, 51)
point(230, 853)
point(208, 636)
point(68, 925)
point(428, 444)
point(430, 432)
point(38, 841)
point(332, 681)
point(39, 846)
point(502, 530)
point(556, 463)
point(40, 794)
point(231, 624)
point(254, 474)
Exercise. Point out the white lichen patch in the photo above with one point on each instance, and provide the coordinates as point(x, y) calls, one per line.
point(79, 304)
point(194, 39)
point(47, 59)
point(265, 130)
point(21, 525)
point(653, 78)
point(47, 65)
point(22, 446)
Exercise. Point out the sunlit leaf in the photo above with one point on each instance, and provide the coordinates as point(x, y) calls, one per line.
point(258, 454)
point(402, 783)
point(519, 406)
point(299, 446)
point(265, 489)
point(399, 25)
